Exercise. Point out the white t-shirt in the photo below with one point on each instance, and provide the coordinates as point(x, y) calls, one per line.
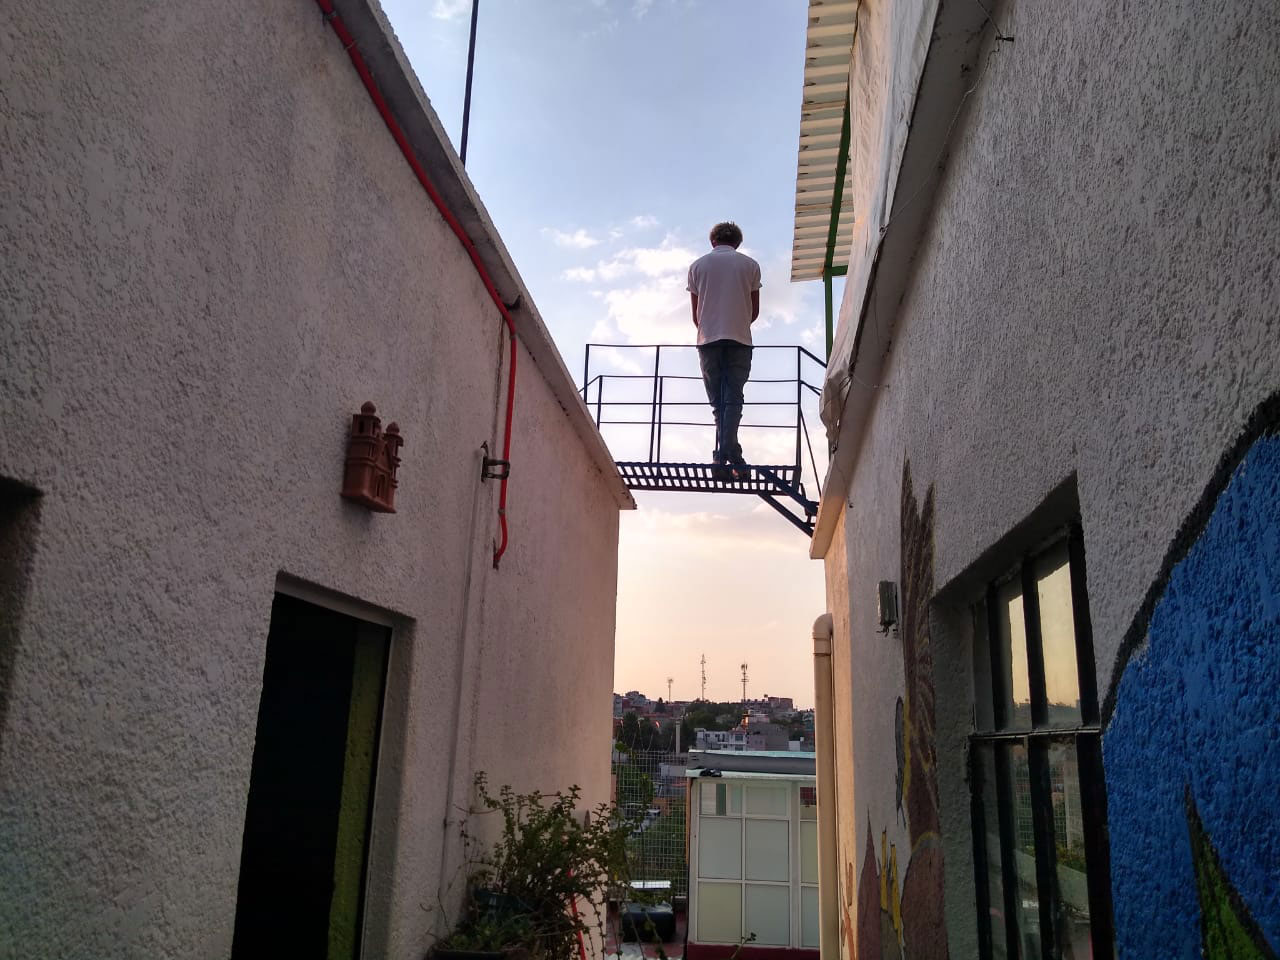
point(724, 280)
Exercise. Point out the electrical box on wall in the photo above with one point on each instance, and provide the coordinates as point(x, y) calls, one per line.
point(887, 604)
point(369, 477)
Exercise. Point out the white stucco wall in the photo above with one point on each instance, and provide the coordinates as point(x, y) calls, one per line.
point(1095, 295)
point(213, 252)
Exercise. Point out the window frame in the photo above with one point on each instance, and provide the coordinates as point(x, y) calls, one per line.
point(794, 883)
point(1085, 736)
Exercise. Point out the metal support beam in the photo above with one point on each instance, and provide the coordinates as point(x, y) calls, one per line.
point(837, 194)
point(826, 290)
point(805, 525)
point(833, 227)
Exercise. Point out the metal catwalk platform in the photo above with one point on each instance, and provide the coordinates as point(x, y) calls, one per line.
point(659, 403)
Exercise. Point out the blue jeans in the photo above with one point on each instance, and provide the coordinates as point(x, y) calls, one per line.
point(726, 365)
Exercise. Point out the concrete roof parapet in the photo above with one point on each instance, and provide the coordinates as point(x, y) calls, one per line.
point(426, 134)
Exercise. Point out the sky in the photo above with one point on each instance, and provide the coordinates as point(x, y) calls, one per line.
point(606, 137)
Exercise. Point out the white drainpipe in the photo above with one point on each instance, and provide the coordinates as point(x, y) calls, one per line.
point(824, 742)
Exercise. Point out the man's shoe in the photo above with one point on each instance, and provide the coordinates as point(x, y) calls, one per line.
point(740, 470)
point(722, 472)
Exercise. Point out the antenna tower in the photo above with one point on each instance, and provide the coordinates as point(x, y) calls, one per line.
point(704, 677)
point(669, 680)
point(744, 683)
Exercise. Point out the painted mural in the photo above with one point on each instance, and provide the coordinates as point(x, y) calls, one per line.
point(1192, 742)
point(904, 920)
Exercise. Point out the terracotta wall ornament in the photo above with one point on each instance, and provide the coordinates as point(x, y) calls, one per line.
point(372, 458)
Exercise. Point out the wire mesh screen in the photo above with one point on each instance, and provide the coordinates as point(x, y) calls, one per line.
point(651, 784)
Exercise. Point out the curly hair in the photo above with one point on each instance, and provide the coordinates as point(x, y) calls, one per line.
point(727, 232)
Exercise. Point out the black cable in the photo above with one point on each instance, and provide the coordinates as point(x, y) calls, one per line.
point(471, 63)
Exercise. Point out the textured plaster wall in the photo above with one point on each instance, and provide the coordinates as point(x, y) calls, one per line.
point(212, 254)
point(839, 604)
point(1193, 747)
point(1096, 295)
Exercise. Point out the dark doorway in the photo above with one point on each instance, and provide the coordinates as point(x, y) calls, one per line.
point(306, 831)
point(19, 517)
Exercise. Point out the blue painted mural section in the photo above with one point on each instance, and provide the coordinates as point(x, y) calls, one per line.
point(1199, 707)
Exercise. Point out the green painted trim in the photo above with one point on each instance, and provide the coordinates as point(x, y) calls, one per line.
point(826, 290)
point(1227, 929)
point(357, 793)
point(837, 195)
point(829, 269)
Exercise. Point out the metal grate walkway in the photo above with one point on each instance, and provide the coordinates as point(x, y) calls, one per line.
point(696, 477)
point(653, 407)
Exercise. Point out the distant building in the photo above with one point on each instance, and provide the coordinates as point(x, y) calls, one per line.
point(637, 700)
point(753, 856)
point(735, 739)
point(748, 735)
point(766, 736)
point(780, 704)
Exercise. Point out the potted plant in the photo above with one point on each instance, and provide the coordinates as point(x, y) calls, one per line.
point(488, 930)
point(536, 890)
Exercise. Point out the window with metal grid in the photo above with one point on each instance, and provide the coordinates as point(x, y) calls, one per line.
point(1038, 792)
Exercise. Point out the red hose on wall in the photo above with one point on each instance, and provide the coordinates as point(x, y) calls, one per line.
point(362, 68)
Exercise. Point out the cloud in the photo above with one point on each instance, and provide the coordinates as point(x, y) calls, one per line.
point(643, 290)
point(643, 221)
point(641, 7)
point(578, 240)
point(612, 360)
point(605, 28)
point(450, 9)
point(652, 311)
point(670, 260)
point(782, 301)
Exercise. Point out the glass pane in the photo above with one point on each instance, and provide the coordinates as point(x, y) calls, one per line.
point(808, 803)
point(1058, 636)
point(719, 848)
point(809, 917)
point(1013, 651)
point(983, 711)
point(735, 801)
point(768, 850)
point(1068, 834)
point(808, 852)
point(767, 914)
point(991, 837)
point(767, 801)
point(713, 796)
point(1024, 850)
point(719, 912)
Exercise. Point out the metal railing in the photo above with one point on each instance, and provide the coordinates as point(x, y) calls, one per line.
point(611, 404)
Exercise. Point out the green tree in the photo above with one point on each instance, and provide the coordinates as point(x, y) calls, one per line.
point(630, 735)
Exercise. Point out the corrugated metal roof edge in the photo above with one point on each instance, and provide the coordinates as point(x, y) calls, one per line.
point(400, 87)
point(820, 161)
point(956, 38)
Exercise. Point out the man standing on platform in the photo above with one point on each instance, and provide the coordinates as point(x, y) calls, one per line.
point(724, 292)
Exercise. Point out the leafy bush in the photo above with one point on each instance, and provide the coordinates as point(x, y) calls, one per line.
point(547, 860)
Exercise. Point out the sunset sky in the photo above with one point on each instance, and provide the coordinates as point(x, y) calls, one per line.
point(606, 137)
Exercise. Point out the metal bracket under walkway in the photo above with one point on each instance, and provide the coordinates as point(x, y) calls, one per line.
point(666, 400)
